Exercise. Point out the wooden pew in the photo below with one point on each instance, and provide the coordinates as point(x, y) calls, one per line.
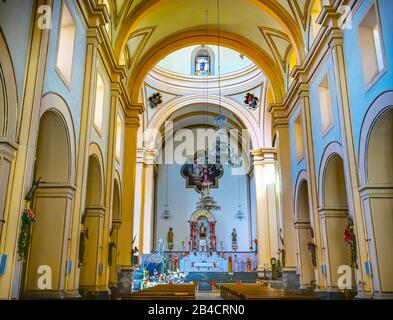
point(164, 292)
point(257, 292)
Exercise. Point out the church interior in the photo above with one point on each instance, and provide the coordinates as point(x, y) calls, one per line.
point(171, 149)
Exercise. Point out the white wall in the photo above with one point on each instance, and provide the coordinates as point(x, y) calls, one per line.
point(182, 202)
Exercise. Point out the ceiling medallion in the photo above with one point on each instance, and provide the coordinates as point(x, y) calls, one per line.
point(251, 101)
point(155, 100)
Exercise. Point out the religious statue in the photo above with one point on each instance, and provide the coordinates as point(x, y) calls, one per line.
point(234, 239)
point(135, 256)
point(230, 269)
point(248, 264)
point(170, 238)
point(175, 263)
point(236, 264)
point(202, 238)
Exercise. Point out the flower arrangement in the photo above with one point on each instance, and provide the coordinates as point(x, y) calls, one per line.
point(312, 248)
point(28, 217)
point(350, 239)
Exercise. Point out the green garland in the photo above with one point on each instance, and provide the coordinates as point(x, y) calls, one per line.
point(27, 218)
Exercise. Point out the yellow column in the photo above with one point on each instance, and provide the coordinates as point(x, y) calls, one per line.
point(138, 204)
point(109, 183)
point(148, 198)
point(126, 229)
point(93, 42)
point(350, 166)
point(286, 195)
point(264, 161)
point(312, 184)
point(24, 161)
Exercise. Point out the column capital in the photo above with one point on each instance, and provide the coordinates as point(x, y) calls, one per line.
point(149, 156)
point(264, 155)
point(302, 224)
point(7, 148)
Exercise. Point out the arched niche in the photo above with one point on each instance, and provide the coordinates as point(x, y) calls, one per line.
point(53, 152)
point(304, 232)
point(9, 110)
point(9, 107)
point(334, 192)
point(376, 190)
point(52, 204)
point(94, 192)
point(116, 205)
point(333, 212)
point(93, 223)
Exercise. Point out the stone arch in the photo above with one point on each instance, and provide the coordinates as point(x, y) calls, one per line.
point(9, 107)
point(165, 111)
point(304, 232)
point(116, 205)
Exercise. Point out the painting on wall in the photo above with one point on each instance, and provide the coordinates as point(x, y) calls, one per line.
point(198, 171)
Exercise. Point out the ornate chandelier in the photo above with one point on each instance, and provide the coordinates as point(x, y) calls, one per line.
point(166, 214)
point(206, 201)
point(239, 213)
point(222, 152)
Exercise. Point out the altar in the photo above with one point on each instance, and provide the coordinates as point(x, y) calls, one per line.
point(203, 262)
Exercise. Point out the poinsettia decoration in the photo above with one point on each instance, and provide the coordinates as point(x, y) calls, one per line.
point(350, 239)
point(155, 100)
point(28, 217)
point(251, 101)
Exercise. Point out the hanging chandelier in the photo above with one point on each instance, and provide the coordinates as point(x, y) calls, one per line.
point(206, 201)
point(239, 213)
point(221, 151)
point(166, 214)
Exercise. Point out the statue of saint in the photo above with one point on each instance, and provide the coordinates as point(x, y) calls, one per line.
point(170, 238)
point(236, 264)
point(230, 267)
point(234, 239)
point(202, 238)
point(248, 263)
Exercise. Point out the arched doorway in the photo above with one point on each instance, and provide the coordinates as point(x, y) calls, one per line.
point(304, 234)
point(114, 235)
point(334, 214)
point(52, 205)
point(93, 219)
point(376, 175)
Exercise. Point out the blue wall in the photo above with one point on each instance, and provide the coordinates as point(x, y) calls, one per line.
point(15, 22)
point(53, 83)
point(321, 139)
point(360, 99)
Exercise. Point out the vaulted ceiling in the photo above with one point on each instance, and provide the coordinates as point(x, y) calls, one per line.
point(144, 31)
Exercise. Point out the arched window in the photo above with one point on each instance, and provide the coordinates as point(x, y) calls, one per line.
point(202, 61)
